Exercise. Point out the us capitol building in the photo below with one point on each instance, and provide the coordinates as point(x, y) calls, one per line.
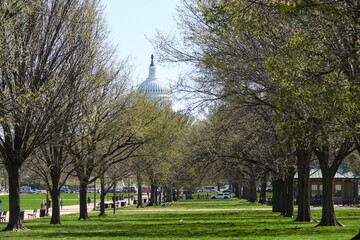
point(154, 89)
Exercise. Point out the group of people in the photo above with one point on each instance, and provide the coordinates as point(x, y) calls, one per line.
point(207, 196)
point(43, 203)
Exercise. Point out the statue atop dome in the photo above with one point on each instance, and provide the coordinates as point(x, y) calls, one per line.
point(152, 61)
point(153, 88)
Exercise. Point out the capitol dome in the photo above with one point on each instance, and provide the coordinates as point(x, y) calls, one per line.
point(153, 88)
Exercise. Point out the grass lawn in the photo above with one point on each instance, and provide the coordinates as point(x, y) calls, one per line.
point(192, 224)
point(32, 201)
point(209, 204)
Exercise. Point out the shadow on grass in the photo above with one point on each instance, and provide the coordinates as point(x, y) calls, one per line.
point(237, 224)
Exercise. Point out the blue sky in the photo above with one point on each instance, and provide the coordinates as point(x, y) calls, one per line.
point(130, 22)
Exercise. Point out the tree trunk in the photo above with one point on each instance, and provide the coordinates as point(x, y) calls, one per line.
point(155, 196)
point(140, 201)
point(328, 171)
point(152, 195)
point(55, 198)
point(15, 223)
point(102, 195)
point(253, 191)
point(289, 204)
point(263, 193)
point(276, 198)
point(245, 193)
point(174, 194)
point(114, 197)
point(357, 237)
point(283, 197)
point(177, 194)
point(83, 201)
point(54, 190)
point(169, 197)
point(235, 190)
point(328, 217)
point(160, 196)
point(303, 163)
point(239, 187)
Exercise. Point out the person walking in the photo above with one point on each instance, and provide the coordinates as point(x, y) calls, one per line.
point(61, 203)
point(89, 200)
point(42, 204)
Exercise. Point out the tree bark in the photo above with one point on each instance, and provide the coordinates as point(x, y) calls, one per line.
point(239, 187)
point(245, 193)
point(177, 194)
point(303, 164)
point(252, 190)
point(323, 153)
point(174, 194)
point(289, 208)
point(55, 174)
point(169, 197)
point(114, 197)
point(235, 190)
point(283, 197)
point(160, 196)
point(276, 184)
point(83, 201)
point(140, 201)
point(15, 222)
point(152, 195)
point(328, 217)
point(263, 193)
point(102, 195)
point(55, 198)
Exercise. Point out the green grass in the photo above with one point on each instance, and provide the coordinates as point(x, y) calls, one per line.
point(211, 204)
point(180, 223)
point(32, 201)
point(236, 224)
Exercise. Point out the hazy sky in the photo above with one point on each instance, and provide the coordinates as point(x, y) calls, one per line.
point(130, 22)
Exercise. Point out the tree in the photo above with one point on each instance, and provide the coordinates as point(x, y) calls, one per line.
point(44, 51)
point(53, 165)
point(316, 77)
point(109, 179)
point(157, 154)
point(228, 44)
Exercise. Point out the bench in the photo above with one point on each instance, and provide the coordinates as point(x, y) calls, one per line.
point(32, 215)
point(3, 216)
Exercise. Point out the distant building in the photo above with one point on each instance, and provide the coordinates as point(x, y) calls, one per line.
point(154, 89)
point(345, 188)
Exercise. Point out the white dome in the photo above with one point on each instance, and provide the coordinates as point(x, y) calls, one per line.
point(153, 88)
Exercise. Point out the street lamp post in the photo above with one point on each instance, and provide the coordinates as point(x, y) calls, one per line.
point(47, 202)
point(128, 189)
point(94, 195)
point(114, 196)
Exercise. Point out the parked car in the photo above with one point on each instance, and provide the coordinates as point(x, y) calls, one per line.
point(229, 194)
point(187, 197)
point(220, 196)
point(34, 191)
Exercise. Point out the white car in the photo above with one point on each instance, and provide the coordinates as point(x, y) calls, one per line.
point(221, 196)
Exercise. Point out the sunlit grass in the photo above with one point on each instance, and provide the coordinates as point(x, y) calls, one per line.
point(221, 224)
point(33, 201)
point(189, 219)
